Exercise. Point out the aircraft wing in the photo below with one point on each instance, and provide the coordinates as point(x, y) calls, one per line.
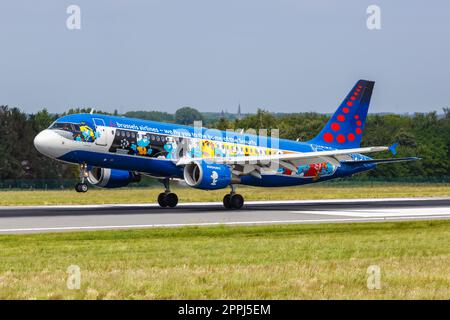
point(305, 157)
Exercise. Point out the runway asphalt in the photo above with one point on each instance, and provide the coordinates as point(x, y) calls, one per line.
point(101, 217)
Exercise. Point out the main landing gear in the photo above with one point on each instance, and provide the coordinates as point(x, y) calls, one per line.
point(167, 198)
point(233, 200)
point(82, 186)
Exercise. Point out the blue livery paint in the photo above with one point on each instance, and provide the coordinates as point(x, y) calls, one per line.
point(214, 176)
point(345, 129)
point(152, 147)
point(153, 167)
point(119, 178)
point(279, 180)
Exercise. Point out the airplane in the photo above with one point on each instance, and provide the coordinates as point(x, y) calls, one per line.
point(115, 151)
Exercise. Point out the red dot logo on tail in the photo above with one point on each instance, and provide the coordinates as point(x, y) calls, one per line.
point(328, 137)
point(351, 137)
point(335, 126)
point(340, 138)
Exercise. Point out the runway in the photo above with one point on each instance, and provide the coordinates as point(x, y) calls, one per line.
point(101, 217)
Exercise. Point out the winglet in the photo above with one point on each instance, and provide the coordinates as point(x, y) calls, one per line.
point(393, 148)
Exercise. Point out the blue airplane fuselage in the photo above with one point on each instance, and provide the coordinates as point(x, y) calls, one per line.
point(153, 148)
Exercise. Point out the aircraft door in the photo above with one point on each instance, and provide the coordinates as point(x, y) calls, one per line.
point(100, 131)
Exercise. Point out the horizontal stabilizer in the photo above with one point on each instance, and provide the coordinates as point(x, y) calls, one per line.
point(381, 160)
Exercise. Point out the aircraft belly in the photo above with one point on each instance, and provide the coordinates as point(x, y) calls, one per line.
point(275, 181)
point(154, 167)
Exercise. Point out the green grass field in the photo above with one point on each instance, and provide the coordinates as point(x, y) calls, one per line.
point(149, 195)
point(271, 262)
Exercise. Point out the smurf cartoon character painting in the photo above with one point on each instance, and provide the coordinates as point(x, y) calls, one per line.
point(87, 134)
point(170, 147)
point(142, 148)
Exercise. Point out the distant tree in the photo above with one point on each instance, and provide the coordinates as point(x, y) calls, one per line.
point(84, 110)
point(223, 124)
point(19, 158)
point(43, 119)
point(187, 116)
point(261, 120)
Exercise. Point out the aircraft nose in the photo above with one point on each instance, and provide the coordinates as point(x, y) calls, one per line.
point(46, 143)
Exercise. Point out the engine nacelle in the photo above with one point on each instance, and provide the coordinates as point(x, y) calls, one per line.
point(111, 178)
point(207, 176)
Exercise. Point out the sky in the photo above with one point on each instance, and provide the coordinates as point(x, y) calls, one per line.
point(278, 55)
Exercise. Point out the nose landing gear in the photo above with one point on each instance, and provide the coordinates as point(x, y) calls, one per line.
point(167, 198)
point(233, 200)
point(82, 186)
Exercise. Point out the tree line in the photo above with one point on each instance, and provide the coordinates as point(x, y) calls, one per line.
point(425, 135)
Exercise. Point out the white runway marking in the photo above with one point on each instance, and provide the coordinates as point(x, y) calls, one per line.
point(388, 212)
point(125, 216)
point(237, 223)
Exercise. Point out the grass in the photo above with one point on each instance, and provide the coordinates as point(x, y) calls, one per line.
point(149, 195)
point(270, 262)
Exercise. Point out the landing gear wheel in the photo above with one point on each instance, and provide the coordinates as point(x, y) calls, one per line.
point(233, 201)
point(81, 187)
point(162, 200)
point(237, 201)
point(84, 187)
point(171, 200)
point(227, 201)
point(168, 200)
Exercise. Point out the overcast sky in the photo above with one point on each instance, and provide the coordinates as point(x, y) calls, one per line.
point(280, 55)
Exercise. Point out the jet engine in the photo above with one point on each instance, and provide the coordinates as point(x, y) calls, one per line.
point(111, 178)
point(202, 175)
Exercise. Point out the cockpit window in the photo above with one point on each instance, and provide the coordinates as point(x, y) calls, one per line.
point(75, 131)
point(64, 126)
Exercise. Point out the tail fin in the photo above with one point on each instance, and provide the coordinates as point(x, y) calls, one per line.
point(344, 129)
